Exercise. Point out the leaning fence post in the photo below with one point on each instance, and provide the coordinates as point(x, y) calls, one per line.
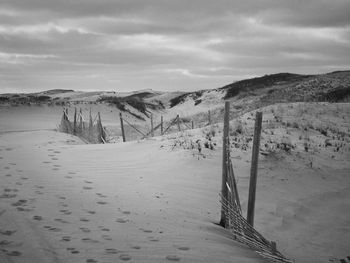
point(122, 126)
point(152, 131)
point(254, 168)
point(224, 192)
point(75, 122)
point(161, 125)
point(178, 122)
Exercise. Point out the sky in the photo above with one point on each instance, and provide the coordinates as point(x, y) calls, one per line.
point(166, 45)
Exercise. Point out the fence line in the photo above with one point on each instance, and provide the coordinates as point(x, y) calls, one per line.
point(231, 212)
point(91, 132)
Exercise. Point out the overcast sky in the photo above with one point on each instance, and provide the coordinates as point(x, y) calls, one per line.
point(123, 45)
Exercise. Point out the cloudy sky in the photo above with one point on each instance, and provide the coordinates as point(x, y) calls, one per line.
point(185, 45)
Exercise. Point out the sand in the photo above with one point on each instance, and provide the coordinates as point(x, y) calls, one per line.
point(156, 201)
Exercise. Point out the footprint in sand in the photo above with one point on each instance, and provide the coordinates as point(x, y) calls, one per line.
point(106, 237)
point(18, 183)
point(84, 219)
point(101, 195)
point(146, 230)
point(135, 247)
point(51, 155)
point(7, 232)
point(6, 168)
point(8, 195)
point(57, 165)
point(55, 229)
point(72, 250)
point(121, 220)
point(87, 182)
point(66, 238)
point(101, 202)
point(38, 218)
point(24, 178)
point(39, 186)
point(68, 177)
point(55, 169)
point(153, 239)
point(12, 164)
point(111, 251)
point(5, 243)
point(85, 229)
point(8, 149)
point(87, 187)
point(61, 220)
point(126, 212)
point(8, 175)
point(20, 202)
point(66, 212)
point(54, 159)
point(125, 257)
point(57, 152)
point(46, 162)
point(104, 228)
point(12, 253)
point(91, 212)
point(89, 240)
point(71, 172)
point(91, 260)
point(39, 192)
point(183, 248)
point(173, 258)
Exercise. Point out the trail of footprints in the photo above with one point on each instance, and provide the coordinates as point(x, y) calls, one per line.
point(23, 205)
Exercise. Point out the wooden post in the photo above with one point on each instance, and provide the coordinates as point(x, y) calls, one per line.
point(178, 122)
point(209, 117)
point(80, 120)
point(152, 131)
point(101, 133)
point(122, 126)
point(161, 125)
point(75, 121)
point(273, 247)
point(224, 192)
point(192, 125)
point(254, 168)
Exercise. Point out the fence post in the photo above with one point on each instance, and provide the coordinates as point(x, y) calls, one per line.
point(224, 192)
point(81, 124)
point(101, 134)
point(254, 168)
point(192, 125)
point(122, 126)
point(209, 117)
point(75, 121)
point(178, 122)
point(161, 125)
point(152, 131)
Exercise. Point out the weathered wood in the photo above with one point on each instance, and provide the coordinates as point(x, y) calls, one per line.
point(273, 247)
point(192, 125)
point(122, 126)
point(209, 117)
point(161, 125)
point(152, 129)
point(178, 122)
point(254, 169)
point(224, 192)
point(170, 124)
point(75, 122)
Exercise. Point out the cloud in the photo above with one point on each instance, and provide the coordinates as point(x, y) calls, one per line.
point(167, 44)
